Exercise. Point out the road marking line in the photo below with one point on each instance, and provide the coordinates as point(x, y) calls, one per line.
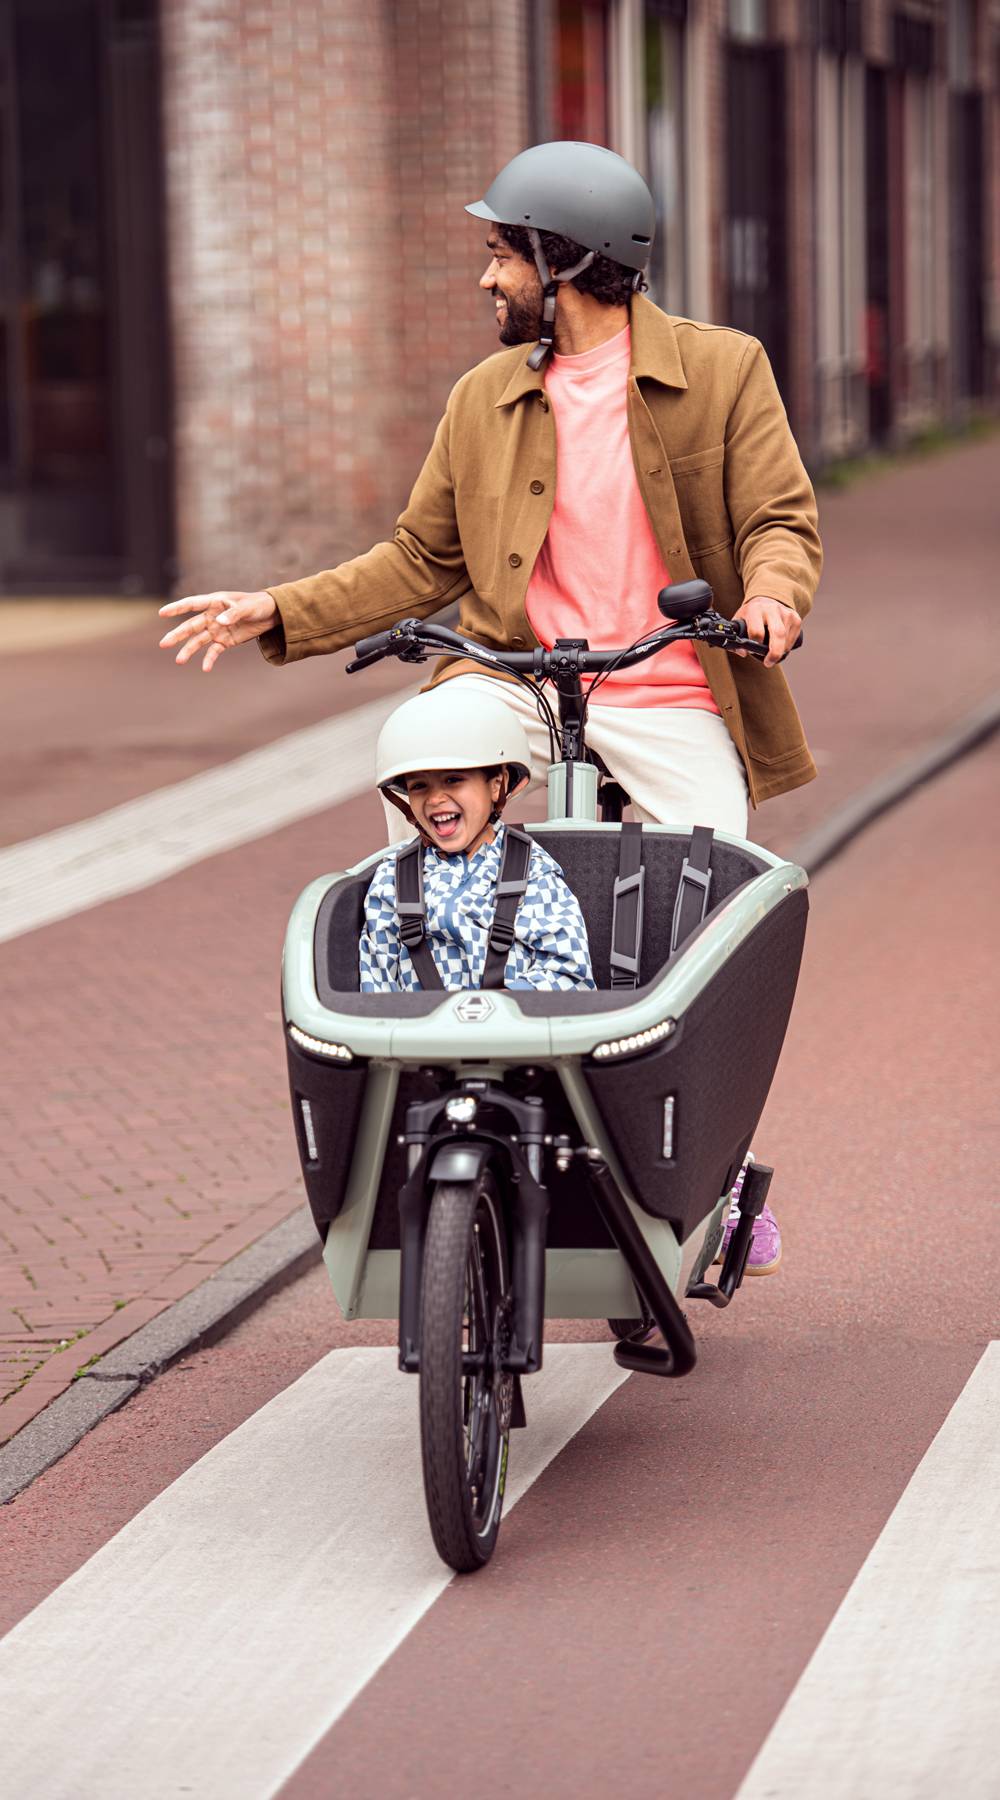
point(143, 841)
point(900, 1697)
point(211, 1644)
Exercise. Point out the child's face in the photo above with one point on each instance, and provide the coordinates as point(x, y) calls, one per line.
point(453, 806)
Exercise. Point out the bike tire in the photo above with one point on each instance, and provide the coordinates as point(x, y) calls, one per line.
point(465, 1415)
point(636, 1329)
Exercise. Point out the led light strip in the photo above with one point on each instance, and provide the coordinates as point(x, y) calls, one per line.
point(640, 1040)
point(338, 1052)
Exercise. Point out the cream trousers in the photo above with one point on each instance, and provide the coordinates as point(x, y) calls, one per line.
point(679, 764)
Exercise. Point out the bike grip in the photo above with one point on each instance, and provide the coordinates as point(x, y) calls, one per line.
point(372, 646)
point(761, 649)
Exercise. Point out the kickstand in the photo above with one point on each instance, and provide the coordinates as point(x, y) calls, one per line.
point(518, 1416)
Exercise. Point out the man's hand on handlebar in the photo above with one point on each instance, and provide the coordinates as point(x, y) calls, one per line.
point(219, 622)
point(773, 620)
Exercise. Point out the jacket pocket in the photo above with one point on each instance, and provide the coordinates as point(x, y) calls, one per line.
point(478, 518)
point(698, 483)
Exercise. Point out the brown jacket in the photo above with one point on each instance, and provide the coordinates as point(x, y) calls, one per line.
point(721, 478)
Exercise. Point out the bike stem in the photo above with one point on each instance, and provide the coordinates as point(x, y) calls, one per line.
point(572, 783)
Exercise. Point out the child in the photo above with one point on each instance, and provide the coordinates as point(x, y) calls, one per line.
point(432, 918)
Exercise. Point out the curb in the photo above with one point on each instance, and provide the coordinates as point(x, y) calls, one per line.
point(200, 1318)
point(820, 846)
point(291, 1248)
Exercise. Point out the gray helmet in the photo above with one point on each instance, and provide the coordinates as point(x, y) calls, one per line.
point(583, 192)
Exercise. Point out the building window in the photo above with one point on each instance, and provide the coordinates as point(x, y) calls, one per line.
point(841, 218)
point(581, 71)
point(961, 43)
point(748, 20)
point(921, 234)
point(665, 156)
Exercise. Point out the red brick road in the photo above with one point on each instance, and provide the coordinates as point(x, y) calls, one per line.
point(143, 1101)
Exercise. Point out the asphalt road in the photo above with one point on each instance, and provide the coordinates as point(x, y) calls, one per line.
point(664, 1580)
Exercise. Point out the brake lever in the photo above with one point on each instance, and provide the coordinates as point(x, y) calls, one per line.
point(364, 662)
point(732, 634)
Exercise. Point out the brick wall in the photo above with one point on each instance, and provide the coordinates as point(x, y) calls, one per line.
point(322, 272)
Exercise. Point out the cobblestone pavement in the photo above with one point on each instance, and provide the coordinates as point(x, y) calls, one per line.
point(143, 1108)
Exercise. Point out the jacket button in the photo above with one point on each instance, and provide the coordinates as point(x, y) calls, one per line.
point(538, 487)
point(517, 641)
point(514, 560)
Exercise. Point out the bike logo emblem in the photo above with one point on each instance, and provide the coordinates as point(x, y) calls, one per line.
point(474, 1009)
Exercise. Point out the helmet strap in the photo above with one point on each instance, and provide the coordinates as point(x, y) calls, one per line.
point(550, 287)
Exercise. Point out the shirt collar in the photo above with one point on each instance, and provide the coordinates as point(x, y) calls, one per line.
point(656, 355)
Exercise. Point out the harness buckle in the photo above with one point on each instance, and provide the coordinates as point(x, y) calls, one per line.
point(502, 934)
point(411, 915)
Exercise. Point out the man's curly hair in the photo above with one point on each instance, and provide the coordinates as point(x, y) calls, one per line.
point(609, 282)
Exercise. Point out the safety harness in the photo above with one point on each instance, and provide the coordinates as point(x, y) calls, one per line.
point(693, 888)
point(626, 916)
point(690, 906)
point(411, 908)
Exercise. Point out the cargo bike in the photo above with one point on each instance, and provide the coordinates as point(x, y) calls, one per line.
point(478, 1161)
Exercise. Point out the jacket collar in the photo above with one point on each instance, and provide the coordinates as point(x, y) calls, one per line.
point(480, 859)
point(655, 355)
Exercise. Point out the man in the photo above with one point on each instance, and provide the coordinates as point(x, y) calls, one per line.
point(565, 487)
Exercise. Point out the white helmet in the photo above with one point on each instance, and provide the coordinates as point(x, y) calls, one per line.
point(443, 729)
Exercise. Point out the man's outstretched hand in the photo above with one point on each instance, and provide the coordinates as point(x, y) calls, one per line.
point(782, 623)
point(219, 622)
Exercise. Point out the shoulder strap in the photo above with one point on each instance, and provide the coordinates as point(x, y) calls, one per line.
point(411, 913)
point(626, 917)
point(511, 883)
point(691, 904)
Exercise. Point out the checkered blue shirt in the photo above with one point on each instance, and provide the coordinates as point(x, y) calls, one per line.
point(550, 948)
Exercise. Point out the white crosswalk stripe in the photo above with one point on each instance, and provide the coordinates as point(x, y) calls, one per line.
point(902, 1698)
point(215, 1639)
point(145, 840)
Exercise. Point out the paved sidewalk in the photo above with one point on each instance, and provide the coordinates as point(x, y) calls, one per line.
point(144, 1109)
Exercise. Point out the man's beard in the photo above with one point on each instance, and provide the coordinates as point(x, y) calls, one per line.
point(522, 320)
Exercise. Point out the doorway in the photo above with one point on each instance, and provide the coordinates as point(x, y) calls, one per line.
point(85, 478)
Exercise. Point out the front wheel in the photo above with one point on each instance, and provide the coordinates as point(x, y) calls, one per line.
point(465, 1399)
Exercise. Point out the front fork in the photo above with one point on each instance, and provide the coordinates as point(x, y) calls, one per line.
point(445, 1142)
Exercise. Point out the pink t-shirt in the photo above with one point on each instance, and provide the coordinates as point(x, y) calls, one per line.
point(599, 570)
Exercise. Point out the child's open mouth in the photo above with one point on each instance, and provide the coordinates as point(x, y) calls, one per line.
point(445, 824)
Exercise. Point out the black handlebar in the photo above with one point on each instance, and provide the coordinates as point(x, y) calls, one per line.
point(690, 604)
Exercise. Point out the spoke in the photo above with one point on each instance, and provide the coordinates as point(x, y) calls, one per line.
point(484, 1309)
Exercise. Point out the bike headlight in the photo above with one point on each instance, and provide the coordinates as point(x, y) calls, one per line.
point(639, 1040)
point(461, 1109)
point(317, 1046)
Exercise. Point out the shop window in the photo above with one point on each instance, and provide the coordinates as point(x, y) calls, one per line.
point(581, 71)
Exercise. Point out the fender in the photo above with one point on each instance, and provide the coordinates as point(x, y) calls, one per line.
point(462, 1161)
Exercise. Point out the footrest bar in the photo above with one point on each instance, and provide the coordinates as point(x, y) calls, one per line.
point(680, 1354)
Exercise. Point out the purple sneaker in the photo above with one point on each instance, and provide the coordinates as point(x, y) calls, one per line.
point(765, 1245)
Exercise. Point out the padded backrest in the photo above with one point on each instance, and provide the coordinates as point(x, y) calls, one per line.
point(589, 862)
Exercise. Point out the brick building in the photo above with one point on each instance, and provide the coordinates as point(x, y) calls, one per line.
point(236, 280)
